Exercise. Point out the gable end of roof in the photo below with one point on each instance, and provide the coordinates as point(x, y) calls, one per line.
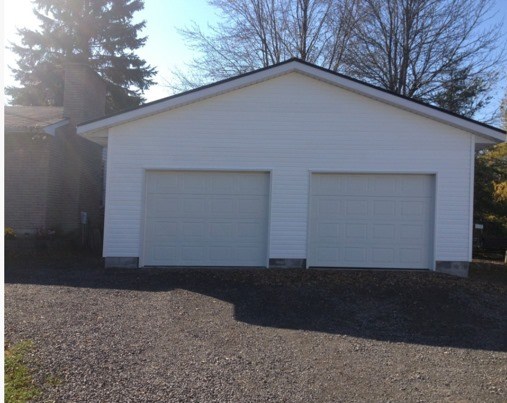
point(491, 133)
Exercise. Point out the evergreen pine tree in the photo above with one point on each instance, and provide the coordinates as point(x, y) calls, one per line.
point(100, 33)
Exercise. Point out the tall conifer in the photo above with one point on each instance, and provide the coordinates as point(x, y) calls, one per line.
point(100, 33)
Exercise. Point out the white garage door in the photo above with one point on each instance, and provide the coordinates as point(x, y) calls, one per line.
point(383, 221)
point(206, 219)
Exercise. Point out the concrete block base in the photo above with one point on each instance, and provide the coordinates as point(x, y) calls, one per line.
point(287, 263)
point(121, 262)
point(453, 268)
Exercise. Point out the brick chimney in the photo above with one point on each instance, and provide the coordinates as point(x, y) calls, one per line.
point(84, 96)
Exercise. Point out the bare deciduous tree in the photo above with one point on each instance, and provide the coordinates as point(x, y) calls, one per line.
point(439, 51)
point(259, 33)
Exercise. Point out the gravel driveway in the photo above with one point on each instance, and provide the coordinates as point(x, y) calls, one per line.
point(257, 335)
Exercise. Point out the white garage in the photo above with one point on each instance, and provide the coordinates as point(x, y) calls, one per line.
point(202, 218)
point(371, 220)
point(289, 166)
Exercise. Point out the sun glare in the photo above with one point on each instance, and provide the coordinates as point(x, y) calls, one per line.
point(17, 14)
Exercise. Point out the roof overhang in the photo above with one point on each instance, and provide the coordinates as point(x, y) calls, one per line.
point(49, 129)
point(97, 130)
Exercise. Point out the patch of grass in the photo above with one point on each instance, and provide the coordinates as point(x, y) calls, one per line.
point(53, 380)
point(19, 384)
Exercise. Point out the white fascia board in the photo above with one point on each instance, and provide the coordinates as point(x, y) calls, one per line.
point(311, 71)
point(99, 136)
point(51, 129)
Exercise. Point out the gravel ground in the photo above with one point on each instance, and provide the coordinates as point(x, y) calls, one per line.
point(266, 335)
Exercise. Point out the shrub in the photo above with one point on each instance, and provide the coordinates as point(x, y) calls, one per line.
point(10, 233)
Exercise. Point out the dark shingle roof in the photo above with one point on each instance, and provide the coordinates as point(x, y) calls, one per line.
point(20, 118)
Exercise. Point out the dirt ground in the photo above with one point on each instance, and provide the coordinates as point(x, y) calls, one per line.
point(239, 335)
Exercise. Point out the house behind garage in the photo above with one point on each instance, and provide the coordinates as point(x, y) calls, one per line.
point(51, 174)
point(291, 165)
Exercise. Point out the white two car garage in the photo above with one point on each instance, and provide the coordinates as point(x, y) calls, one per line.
point(289, 166)
point(220, 218)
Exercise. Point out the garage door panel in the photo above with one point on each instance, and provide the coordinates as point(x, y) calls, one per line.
point(357, 186)
point(221, 207)
point(326, 206)
point(356, 231)
point(356, 208)
point(411, 255)
point(384, 185)
point(167, 230)
point(383, 232)
point(246, 254)
point(327, 231)
point(206, 218)
point(327, 256)
point(324, 185)
point(192, 254)
point(217, 253)
point(222, 185)
point(158, 183)
point(157, 252)
point(414, 209)
point(384, 208)
point(383, 256)
point(193, 231)
point(221, 230)
point(159, 205)
point(250, 230)
point(193, 183)
point(376, 220)
point(355, 256)
point(192, 207)
point(414, 232)
point(252, 206)
point(419, 187)
point(256, 184)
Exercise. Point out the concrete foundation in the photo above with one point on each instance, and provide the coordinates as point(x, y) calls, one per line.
point(453, 268)
point(287, 263)
point(121, 262)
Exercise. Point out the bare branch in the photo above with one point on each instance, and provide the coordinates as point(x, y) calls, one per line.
point(446, 52)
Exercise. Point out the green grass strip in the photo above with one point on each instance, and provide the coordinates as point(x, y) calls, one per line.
point(19, 384)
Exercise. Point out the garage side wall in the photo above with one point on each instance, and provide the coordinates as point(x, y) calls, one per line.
point(290, 125)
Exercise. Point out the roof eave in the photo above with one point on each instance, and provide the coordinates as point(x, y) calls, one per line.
point(51, 129)
point(48, 129)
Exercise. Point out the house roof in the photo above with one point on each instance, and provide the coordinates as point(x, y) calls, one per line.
point(97, 128)
point(32, 118)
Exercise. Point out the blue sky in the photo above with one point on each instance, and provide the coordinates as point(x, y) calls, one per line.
point(165, 48)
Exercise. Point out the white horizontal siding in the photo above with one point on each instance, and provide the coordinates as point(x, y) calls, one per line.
point(290, 125)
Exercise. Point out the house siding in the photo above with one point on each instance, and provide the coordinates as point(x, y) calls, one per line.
point(291, 125)
point(50, 179)
point(75, 182)
point(26, 181)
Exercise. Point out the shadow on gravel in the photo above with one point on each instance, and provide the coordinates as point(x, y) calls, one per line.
point(423, 308)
